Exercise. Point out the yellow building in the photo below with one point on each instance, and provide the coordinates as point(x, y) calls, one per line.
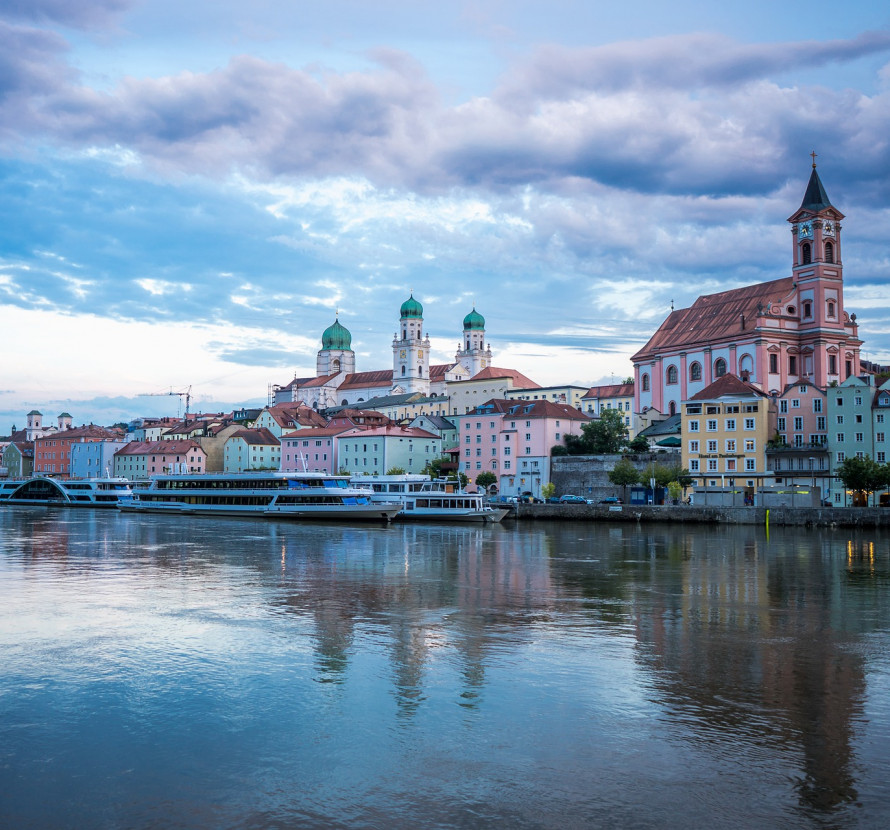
point(724, 431)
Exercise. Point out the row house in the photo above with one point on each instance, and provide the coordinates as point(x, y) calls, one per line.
point(152, 429)
point(94, 459)
point(139, 460)
point(571, 395)
point(378, 450)
point(797, 452)
point(52, 453)
point(18, 456)
point(618, 396)
point(490, 383)
point(285, 418)
point(313, 449)
point(251, 449)
point(724, 432)
point(513, 440)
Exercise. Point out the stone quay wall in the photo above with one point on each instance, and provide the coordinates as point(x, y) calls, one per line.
point(866, 517)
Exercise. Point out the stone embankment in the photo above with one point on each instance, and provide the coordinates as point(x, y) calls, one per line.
point(690, 514)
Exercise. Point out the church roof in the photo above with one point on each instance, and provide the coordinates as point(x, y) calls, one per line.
point(815, 199)
point(520, 381)
point(728, 386)
point(411, 308)
point(383, 377)
point(336, 336)
point(474, 320)
point(713, 318)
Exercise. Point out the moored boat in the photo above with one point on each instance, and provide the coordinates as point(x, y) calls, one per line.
point(88, 492)
point(301, 496)
point(424, 499)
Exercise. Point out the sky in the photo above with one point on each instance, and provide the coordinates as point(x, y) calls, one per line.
point(191, 192)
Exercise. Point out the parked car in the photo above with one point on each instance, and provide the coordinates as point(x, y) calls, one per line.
point(553, 500)
point(611, 500)
point(569, 499)
point(528, 498)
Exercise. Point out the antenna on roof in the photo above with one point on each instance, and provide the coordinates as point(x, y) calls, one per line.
point(672, 305)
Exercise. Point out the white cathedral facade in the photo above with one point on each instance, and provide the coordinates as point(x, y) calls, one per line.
point(336, 382)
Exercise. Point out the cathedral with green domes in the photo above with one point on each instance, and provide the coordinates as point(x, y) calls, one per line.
point(336, 382)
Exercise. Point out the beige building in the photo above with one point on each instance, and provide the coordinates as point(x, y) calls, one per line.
point(490, 383)
point(571, 395)
point(724, 432)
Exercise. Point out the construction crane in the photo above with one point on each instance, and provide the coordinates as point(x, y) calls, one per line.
point(187, 394)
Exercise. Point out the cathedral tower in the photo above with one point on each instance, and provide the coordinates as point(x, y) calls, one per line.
point(472, 353)
point(411, 350)
point(828, 352)
point(336, 353)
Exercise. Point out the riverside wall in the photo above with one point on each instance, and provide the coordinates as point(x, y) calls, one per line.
point(865, 517)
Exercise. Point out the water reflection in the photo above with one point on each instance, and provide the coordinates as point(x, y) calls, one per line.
point(701, 649)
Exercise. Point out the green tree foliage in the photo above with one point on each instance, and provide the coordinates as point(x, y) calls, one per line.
point(664, 474)
point(863, 476)
point(639, 444)
point(395, 471)
point(433, 467)
point(559, 449)
point(601, 436)
point(548, 491)
point(623, 474)
point(485, 479)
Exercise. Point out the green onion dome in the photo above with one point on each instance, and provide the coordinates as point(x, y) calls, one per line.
point(474, 320)
point(411, 308)
point(336, 337)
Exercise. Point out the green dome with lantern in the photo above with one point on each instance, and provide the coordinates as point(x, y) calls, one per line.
point(411, 308)
point(474, 320)
point(336, 337)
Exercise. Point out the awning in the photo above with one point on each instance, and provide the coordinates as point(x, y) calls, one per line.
point(670, 441)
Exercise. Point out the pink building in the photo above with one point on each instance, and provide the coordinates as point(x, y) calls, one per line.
point(772, 334)
point(139, 460)
point(313, 449)
point(513, 440)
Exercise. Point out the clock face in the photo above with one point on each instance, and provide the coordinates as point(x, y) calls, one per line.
point(805, 230)
point(402, 354)
point(828, 229)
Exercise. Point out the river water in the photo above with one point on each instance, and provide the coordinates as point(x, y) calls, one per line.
point(182, 672)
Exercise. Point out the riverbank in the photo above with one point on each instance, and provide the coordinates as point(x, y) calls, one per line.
point(691, 514)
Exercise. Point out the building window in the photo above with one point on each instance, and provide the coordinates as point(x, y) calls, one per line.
point(829, 252)
point(792, 364)
point(817, 404)
point(749, 423)
point(693, 426)
point(712, 425)
point(693, 465)
point(774, 364)
point(798, 424)
point(712, 446)
point(644, 382)
point(671, 376)
point(807, 309)
point(780, 424)
point(719, 367)
point(832, 364)
point(750, 464)
point(831, 309)
point(859, 438)
point(839, 438)
point(693, 446)
point(730, 424)
point(695, 371)
point(730, 445)
point(806, 253)
point(712, 465)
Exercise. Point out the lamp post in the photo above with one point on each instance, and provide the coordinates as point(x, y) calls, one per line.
point(813, 471)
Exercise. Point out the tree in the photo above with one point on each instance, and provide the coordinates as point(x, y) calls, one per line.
point(623, 474)
point(664, 474)
point(863, 476)
point(548, 491)
point(396, 471)
point(629, 379)
point(433, 467)
point(601, 436)
point(639, 444)
point(485, 479)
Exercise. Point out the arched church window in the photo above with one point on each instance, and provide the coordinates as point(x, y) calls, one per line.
point(831, 309)
point(344, 402)
point(719, 367)
point(806, 253)
point(746, 367)
point(807, 309)
point(672, 408)
point(671, 376)
point(468, 345)
point(829, 252)
point(644, 382)
point(403, 371)
point(420, 371)
point(336, 365)
point(695, 371)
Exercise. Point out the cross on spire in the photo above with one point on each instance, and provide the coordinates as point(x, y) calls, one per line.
point(813, 154)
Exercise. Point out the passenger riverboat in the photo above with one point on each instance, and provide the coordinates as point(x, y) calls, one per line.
point(88, 492)
point(274, 495)
point(424, 499)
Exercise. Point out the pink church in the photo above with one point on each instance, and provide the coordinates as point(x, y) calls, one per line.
point(772, 334)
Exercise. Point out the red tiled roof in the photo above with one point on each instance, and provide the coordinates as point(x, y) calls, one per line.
point(438, 372)
point(396, 431)
point(159, 447)
point(356, 380)
point(520, 381)
point(257, 437)
point(533, 409)
point(728, 386)
point(715, 317)
point(611, 390)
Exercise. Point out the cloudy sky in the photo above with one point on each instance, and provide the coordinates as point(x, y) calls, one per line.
point(191, 190)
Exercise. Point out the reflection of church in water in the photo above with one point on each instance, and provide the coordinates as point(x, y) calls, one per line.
point(336, 383)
